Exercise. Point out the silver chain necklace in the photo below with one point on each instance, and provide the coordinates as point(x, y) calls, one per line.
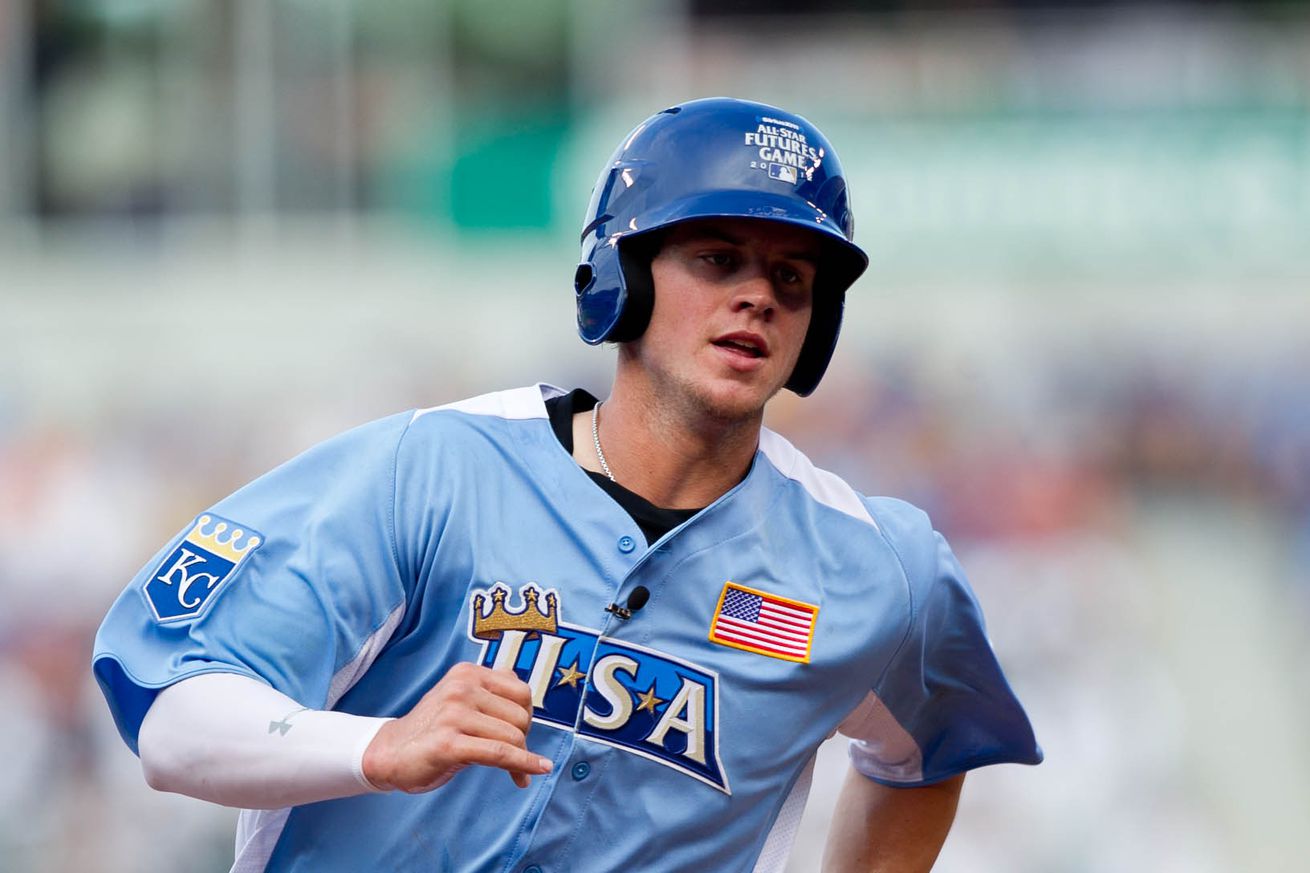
point(595, 439)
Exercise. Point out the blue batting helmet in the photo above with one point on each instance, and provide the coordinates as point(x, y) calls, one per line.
point(715, 158)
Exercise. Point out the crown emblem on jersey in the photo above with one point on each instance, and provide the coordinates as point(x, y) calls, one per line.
point(216, 544)
point(531, 618)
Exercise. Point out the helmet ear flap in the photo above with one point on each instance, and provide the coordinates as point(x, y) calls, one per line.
point(583, 278)
point(820, 342)
point(635, 256)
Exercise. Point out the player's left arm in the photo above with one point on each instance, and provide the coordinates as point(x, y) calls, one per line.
point(880, 829)
point(940, 707)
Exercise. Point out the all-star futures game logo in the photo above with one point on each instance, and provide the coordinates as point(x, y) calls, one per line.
point(626, 696)
point(782, 150)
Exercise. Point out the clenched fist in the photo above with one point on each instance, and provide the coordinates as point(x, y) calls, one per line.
point(474, 715)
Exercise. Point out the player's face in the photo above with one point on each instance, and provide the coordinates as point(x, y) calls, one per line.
point(732, 306)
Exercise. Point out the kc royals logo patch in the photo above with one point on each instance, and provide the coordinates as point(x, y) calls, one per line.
point(630, 697)
point(210, 554)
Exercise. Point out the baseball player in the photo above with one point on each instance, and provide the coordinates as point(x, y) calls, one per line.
point(535, 632)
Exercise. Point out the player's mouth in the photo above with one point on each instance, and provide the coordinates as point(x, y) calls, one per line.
point(743, 343)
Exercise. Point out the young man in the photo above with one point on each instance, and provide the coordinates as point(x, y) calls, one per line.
point(648, 613)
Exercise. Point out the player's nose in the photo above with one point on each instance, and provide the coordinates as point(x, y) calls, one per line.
point(754, 290)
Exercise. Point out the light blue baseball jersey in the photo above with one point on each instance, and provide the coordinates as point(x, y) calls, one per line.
point(354, 576)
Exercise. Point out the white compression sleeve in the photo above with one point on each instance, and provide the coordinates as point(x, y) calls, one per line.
point(230, 739)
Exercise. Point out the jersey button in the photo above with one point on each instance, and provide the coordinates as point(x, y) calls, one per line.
point(627, 544)
point(580, 771)
point(533, 869)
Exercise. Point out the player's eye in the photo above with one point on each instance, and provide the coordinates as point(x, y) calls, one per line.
point(718, 258)
point(794, 274)
point(789, 276)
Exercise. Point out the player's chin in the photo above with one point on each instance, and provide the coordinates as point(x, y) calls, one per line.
point(735, 398)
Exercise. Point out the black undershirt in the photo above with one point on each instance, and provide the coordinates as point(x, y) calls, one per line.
point(654, 521)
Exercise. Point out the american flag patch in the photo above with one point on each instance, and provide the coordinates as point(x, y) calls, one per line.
point(765, 623)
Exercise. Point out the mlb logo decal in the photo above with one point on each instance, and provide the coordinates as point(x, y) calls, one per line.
point(210, 554)
point(767, 624)
point(782, 172)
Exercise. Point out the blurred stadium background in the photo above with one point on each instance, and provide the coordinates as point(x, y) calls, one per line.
point(231, 229)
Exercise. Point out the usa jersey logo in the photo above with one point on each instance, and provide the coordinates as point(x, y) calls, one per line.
point(211, 552)
point(630, 697)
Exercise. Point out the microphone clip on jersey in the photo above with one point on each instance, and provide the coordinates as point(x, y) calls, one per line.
point(636, 600)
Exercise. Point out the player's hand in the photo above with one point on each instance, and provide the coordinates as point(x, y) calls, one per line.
point(474, 715)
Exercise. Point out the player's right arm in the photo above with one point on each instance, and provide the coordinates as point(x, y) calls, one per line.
point(285, 594)
point(233, 740)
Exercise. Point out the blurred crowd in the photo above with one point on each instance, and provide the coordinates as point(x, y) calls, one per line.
point(1070, 441)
